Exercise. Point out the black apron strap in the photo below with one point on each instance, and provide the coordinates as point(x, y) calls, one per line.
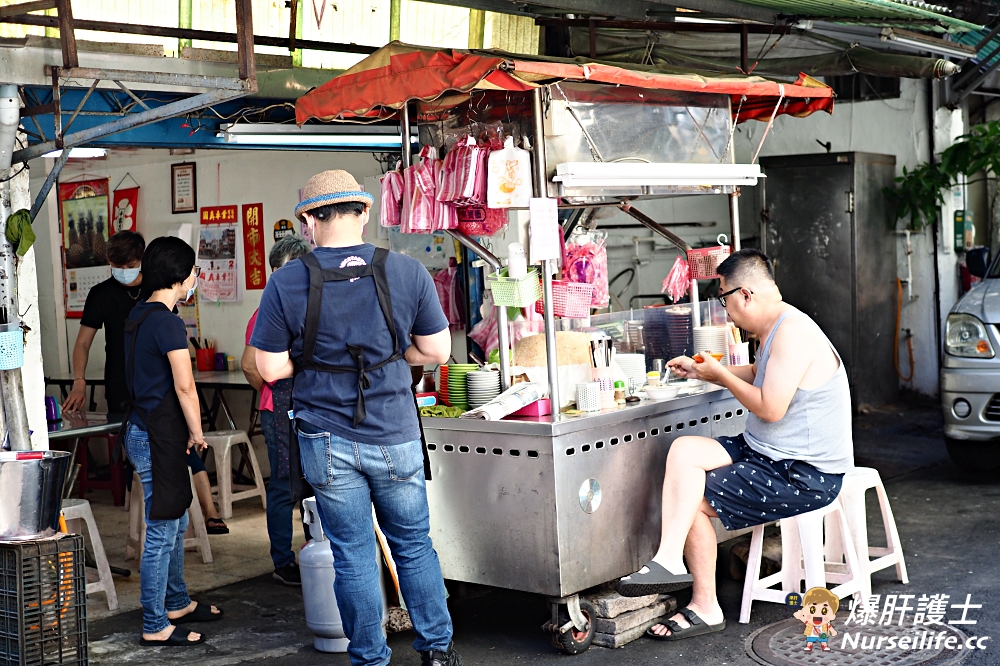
point(384, 297)
point(314, 306)
point(131, 326)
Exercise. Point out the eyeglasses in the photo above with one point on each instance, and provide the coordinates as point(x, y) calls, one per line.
point(196, 271)
point(722, 297)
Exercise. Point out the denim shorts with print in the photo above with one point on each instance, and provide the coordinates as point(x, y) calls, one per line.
point(755, 489)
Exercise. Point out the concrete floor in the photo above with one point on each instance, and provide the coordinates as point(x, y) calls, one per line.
point(243, 553)
point(949, 527)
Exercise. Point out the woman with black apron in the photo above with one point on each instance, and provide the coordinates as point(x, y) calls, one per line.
point(163, 424)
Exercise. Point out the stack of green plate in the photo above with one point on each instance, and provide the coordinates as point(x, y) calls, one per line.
point(457, 394)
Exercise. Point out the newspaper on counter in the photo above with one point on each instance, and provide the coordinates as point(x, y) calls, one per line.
point(508, 402)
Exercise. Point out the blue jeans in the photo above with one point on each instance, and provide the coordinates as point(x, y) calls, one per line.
point(279, 500)
point(348, 478)
point(161, 578)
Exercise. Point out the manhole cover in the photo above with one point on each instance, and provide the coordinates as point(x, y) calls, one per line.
point(782, 644)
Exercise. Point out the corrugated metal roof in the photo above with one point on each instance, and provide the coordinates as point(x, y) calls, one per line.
point(880, 12)
point(973, 38)
point(352, 21)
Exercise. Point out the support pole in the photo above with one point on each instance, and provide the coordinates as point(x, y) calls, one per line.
point(548, 266)
point(734, 219)
point(14, 417)
point(406, 156)
point(503, 331)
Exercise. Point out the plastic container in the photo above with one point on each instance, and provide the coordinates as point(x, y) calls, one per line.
point(43, 602)
point(205, 359)
point(588, 397)
point(739, 354)
point(517, 261)
point(11, 347)
point(220, 362)
point(521, 293)
point(316, 567)
point(569, 299)
point(541, 407)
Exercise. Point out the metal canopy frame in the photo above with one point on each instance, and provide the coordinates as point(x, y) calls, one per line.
point(539, 187)
point(218, 89)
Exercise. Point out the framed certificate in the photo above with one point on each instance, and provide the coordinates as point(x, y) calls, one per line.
point(183, 188)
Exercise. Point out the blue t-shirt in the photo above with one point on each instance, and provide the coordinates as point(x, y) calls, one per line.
point(162, 332)
point(351, 316)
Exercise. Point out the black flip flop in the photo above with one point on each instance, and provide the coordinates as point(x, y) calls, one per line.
point(656, 580)
point(216, 526)
point(179, 638)
point(201, 613)
point(677, 632)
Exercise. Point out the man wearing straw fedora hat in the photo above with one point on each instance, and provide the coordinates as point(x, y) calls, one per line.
point(345, 321)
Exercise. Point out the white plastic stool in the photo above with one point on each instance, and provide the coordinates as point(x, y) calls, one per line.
point(222, 443)
point(802, 559)
point(75, 510)
point(136, 539)
point(852, 496)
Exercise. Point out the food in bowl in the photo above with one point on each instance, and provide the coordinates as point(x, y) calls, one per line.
point(662, 392)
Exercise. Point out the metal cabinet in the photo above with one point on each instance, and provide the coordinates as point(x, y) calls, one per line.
point(827, 227)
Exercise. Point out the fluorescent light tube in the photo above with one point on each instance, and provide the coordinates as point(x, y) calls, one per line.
point(79, 153)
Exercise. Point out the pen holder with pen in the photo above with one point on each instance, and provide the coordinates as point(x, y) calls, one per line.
point(739, 354)
point(606, 380)
point(205, 359)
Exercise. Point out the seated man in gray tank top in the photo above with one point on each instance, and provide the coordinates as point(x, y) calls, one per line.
point(791, 459)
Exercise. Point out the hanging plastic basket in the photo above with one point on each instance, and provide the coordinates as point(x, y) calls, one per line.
point(515, 293)
point(705, 260)
point(569, 299)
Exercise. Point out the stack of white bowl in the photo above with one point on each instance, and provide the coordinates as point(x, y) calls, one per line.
point(714, 339)
point(634, 367)
point(482, 386)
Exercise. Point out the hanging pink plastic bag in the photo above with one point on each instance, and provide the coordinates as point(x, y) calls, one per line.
point(444, 284)
point(390, 209)
point(485, 333)
point(409, 186)
point(509, 182)
point(424, 206)
point(460, 173)
point(585, 259)
point(678, 280)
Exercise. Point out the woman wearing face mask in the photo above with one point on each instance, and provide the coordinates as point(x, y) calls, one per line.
point(108, 305)
point(164, 424)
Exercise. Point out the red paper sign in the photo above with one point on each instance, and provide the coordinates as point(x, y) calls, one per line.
point(218, 215)
point(124, 209)
point(253, 245)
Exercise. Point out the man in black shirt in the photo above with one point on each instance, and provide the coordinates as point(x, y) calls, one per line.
point(109, 304)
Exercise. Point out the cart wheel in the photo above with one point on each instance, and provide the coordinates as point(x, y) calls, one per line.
point(573, 641)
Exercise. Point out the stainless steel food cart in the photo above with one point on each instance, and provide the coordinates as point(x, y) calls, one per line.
point(555, 505)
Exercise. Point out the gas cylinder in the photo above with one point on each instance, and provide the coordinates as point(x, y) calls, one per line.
point(316, 569)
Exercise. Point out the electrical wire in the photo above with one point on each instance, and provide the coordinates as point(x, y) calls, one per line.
point(909, 338)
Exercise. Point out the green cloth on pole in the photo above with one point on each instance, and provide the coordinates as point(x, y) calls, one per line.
point(19, 231)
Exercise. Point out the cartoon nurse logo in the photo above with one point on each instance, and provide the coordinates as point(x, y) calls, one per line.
point(818, 610)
